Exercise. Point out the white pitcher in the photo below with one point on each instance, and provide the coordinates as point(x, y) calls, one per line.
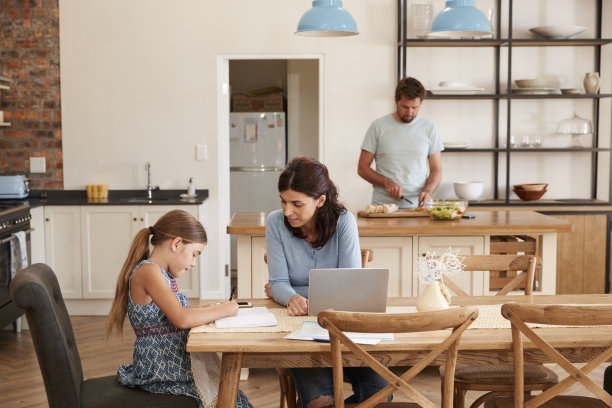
point(591, 82)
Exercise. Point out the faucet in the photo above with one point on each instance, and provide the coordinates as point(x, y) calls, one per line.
point(150, 187)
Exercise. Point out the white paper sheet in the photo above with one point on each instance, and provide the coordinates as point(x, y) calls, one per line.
point(312, 331)
point(248, 317)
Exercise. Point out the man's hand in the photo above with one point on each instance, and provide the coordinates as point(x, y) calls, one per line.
point(424, 195)
point(298, 306)
point(267, 290)
point(393, 189)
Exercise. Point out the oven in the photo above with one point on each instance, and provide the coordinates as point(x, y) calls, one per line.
point(13, 218)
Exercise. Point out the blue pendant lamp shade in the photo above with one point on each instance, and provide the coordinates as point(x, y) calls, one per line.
point(327, 18)
point(460, 19)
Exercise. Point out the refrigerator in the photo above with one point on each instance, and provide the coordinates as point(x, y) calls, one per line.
point(258, 154)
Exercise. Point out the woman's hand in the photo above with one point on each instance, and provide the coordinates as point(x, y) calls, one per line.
point(267, 290)
point(298, 306)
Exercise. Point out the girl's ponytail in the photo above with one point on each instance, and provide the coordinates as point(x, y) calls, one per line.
point(138, 251)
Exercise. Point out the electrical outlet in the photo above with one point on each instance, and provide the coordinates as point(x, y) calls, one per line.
point(38, 165)
point(201, 152)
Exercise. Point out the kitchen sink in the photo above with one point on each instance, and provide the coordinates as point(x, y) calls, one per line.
point(143, 200)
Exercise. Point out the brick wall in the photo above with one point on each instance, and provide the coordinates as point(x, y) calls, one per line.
point(29, 54)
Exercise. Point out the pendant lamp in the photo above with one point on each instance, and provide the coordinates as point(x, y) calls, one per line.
point(327, 18)
point(460, 19)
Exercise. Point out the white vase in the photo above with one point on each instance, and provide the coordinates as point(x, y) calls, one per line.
point(432, 298)
point(591, 82)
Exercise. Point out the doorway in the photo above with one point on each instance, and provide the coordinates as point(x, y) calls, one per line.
point(300, 80)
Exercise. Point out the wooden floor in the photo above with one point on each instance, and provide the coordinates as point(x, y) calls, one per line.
point(21, 384)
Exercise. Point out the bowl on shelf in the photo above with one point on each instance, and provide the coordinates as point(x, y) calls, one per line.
point(532, 83)
point(447, 209)
point(531, 187)
point(571, 91)
point(529, 195)
point(468, 190)
point(557, 32)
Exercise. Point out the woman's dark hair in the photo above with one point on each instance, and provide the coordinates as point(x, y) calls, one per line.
point(308, 176)
point(410, 88)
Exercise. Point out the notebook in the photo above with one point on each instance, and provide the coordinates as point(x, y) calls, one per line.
point(348, 289)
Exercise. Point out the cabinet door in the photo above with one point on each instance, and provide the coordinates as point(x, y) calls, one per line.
point(37, 236)
point(581, 255)
point(148, 215)
point(107, 233)
point(260, 270)
point(395, 254)
point(475, 283)
point(63, 247)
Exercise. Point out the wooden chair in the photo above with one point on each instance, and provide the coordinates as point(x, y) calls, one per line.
point(498, 379)
point(566, 315)
point(288, 394)
point(336, 322)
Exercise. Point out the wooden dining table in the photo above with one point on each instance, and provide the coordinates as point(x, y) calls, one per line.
point(477, 346)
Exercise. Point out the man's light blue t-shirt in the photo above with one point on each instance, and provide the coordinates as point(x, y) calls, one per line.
point(400, 152)
point(290, 259)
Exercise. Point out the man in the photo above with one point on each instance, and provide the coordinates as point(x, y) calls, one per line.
point(406, 148)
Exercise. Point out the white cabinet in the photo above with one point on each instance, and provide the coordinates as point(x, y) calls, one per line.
point(474, 283)
point(63, 247)
point(37, 235)
point(394, 253)
point(87, 245)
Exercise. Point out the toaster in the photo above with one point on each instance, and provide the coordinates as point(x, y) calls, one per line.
point(14, 187)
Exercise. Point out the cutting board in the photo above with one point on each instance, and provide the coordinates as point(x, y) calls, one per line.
point(396, 214)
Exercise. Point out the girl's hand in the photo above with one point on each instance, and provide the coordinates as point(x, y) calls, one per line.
point(298, 306)
point(229, 308)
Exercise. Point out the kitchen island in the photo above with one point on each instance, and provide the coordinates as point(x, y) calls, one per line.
point(398, 242)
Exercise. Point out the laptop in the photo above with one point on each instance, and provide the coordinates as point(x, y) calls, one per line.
point(348, 289)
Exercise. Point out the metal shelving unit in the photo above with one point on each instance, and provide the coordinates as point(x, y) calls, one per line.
point(509, 43)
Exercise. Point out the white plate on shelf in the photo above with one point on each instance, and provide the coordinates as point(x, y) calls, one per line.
point(557, 32)
point(455, 91)
point(457, 145)
point(187, 196)
point(532, 91)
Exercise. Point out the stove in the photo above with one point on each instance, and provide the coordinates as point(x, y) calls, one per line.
point(14, 217)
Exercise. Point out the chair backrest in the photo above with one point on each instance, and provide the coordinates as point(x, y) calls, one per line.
point(336, 322)
point(36, 290)
point(367, 255)
point(526, 264)
point(566, 315)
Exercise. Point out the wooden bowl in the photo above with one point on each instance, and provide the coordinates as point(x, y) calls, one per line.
point(531, 187)
point(529, 195)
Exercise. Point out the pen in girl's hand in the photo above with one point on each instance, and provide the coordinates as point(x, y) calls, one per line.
point(233, 293)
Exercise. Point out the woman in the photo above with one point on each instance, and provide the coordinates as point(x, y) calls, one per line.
point(313, 230)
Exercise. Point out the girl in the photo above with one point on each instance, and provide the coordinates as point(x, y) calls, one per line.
point(313, 230)
point(148, 294)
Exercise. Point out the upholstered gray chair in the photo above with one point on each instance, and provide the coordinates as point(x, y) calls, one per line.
point(36, 290)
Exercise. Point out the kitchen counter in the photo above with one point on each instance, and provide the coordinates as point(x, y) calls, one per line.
point(39, 198)
point(490, 222)
point(399, 242)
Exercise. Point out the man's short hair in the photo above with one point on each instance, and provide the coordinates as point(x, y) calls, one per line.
point(410, 88)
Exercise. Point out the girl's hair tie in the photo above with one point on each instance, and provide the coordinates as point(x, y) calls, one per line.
point(151, 231)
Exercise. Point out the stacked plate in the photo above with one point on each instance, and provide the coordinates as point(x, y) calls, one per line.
point(536, 86)
point(454, 88)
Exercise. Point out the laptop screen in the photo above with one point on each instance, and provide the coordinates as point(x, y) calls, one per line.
point(348, 289)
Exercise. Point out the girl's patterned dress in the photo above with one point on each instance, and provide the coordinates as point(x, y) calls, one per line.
point(161, 363)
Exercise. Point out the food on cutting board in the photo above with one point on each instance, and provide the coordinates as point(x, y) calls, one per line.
point(381, 208)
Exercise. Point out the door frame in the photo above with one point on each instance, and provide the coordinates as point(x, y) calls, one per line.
point(223, 259)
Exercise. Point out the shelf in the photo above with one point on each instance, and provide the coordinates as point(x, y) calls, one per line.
point(5, 123)
point(463, 96)
point(528, 150)
point(4, 86)
point(5, 79)
point(554, 202)
point(504, 42)
point(518, 96)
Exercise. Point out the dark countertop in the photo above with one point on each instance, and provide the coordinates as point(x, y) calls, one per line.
point(39, 198)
